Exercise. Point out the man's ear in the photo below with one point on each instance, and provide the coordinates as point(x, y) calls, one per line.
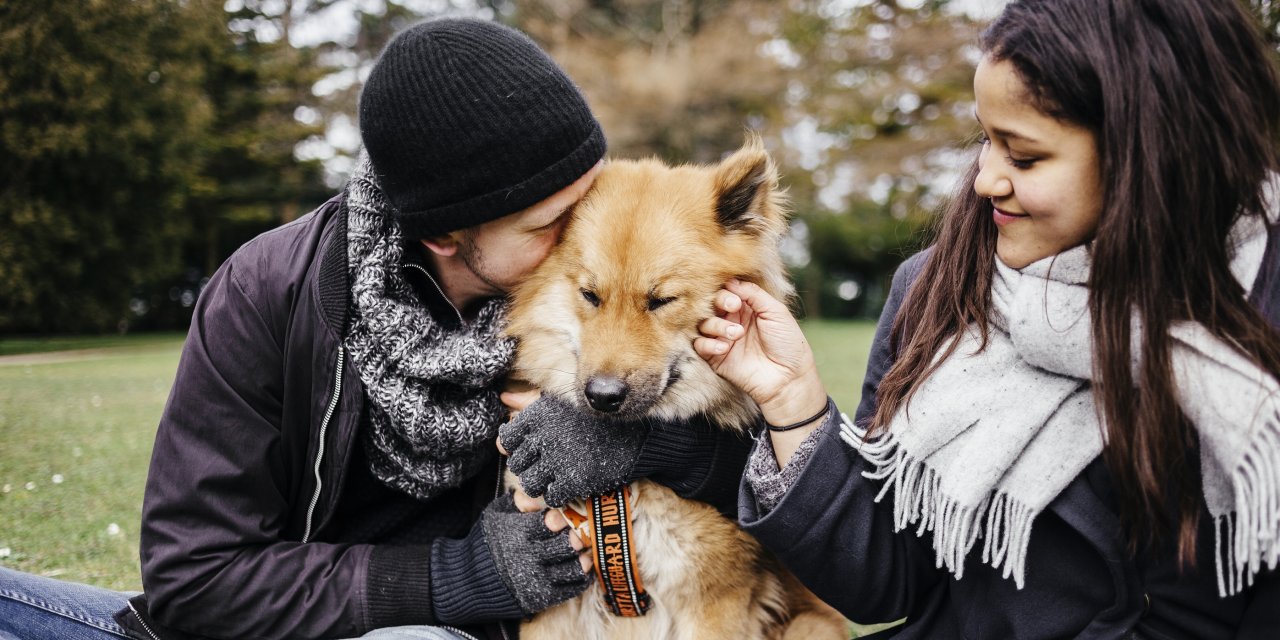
point(444, 246)
point(744, 183)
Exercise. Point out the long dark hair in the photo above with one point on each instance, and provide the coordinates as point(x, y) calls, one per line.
point(1183, 99)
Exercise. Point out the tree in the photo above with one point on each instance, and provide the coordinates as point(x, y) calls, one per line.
point(259, 86)
point(142, 142)
point(879, 114)
point(1269, 14)
point(102, 112)
point(679, 79)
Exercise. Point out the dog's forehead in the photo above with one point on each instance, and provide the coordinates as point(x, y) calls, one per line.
point(648, 209)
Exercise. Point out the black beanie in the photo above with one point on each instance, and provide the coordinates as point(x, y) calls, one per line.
point(466, 121)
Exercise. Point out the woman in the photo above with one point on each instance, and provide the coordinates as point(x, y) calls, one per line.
point(1069, 424)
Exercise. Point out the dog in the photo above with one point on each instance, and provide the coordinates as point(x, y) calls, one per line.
point(607, 323)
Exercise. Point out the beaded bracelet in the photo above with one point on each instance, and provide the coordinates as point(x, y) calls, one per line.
point(796, 425)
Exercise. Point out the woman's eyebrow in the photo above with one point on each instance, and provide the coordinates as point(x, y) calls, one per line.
point(1006, 133)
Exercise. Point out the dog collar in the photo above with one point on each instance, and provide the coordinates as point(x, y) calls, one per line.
point(605, 523)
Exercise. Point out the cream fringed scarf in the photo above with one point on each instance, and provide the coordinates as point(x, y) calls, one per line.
point(993, 436)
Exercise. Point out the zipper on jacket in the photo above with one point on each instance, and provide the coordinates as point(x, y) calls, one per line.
point(458, 631)
point(140, 621)
point(411, 265)
point(324, 428)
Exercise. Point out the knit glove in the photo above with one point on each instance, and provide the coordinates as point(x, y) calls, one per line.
point(562, 453)
point(540, 567)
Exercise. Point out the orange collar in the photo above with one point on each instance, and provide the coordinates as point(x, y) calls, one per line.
point(604, 522)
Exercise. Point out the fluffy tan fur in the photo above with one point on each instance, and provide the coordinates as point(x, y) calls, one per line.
point(652, 244)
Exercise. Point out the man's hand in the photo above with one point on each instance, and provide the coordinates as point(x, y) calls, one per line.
point(562, 453)
point(540, 562)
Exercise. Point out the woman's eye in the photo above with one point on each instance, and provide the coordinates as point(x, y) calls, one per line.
point(591, 297)
point(655, 303)
point(1021, 163)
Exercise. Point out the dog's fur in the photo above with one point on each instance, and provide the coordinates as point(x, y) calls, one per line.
point(620, 298)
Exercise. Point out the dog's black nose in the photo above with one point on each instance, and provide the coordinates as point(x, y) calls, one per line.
point(605, 393)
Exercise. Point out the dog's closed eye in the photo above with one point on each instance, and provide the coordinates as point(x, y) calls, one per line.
point(656, 303)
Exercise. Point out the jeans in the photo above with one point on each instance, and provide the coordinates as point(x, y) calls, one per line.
point(36, 608)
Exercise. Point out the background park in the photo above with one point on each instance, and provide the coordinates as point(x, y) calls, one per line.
point(142, 141)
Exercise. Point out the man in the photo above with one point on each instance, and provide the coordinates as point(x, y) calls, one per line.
point(325, 466)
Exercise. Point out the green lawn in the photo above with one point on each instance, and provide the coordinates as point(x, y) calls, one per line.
point(75, 439)
point(35, 344)
point(841, 350)
point(76, 430)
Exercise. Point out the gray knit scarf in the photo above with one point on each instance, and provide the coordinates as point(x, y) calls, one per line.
point(995, 434)
point(432, 392)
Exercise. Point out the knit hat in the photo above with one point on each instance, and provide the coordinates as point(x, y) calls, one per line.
point(466, 121)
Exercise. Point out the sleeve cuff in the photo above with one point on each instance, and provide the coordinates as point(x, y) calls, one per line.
point(399, 586)
point(679, 456)
point(833, 465)
point(767, 482)
point(466, 586)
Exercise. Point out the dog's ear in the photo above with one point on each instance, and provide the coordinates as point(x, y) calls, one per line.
point(745, 182)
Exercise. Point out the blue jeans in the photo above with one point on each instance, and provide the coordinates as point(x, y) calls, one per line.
point(36, 608)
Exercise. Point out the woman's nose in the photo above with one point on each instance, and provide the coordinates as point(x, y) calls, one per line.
point(991, 181)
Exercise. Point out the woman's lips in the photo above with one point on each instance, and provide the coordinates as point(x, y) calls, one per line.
point(1004, 217)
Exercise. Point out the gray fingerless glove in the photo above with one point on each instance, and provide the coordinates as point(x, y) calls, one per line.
point(562, 453)
point(539, 567)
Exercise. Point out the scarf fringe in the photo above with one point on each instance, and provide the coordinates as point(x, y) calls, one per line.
point(1248, 538)
point(1003, 522)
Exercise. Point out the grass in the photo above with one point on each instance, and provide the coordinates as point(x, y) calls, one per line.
point(77, 437)
point(841, 349)
point(38, 344)
point(76, 431)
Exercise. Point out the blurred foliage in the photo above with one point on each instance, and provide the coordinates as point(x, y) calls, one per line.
point(1268, 12)
point(141, 142)
point(880, 109)
point(679, 79)
point(102, 111)
point(865, 104)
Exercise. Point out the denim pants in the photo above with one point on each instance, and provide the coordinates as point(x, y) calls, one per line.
point(36, 608)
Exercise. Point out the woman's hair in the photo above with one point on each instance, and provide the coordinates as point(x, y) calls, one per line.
point(1183, 99)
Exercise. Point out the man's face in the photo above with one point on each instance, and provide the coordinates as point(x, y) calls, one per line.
point(501, 252)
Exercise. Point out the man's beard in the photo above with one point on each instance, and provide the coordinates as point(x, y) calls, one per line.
point(474, 259)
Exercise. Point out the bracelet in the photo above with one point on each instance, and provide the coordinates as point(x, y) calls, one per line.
point(796, 425)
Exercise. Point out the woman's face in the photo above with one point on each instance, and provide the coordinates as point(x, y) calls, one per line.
point(1040, 173)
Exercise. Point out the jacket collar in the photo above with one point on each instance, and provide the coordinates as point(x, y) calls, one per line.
point(334, 287)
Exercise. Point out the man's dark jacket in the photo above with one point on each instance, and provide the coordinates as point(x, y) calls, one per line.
point(1081, 580)
point(252, 454)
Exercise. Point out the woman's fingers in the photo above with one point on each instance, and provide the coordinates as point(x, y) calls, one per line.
point(751, 295)
point(720, 328)
point(727, 302)
point(708, 348)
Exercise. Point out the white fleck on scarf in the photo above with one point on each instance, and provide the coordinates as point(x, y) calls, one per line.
point(995, 434)
point(433, 392)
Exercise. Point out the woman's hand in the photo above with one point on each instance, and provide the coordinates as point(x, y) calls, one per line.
point(755, 343)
